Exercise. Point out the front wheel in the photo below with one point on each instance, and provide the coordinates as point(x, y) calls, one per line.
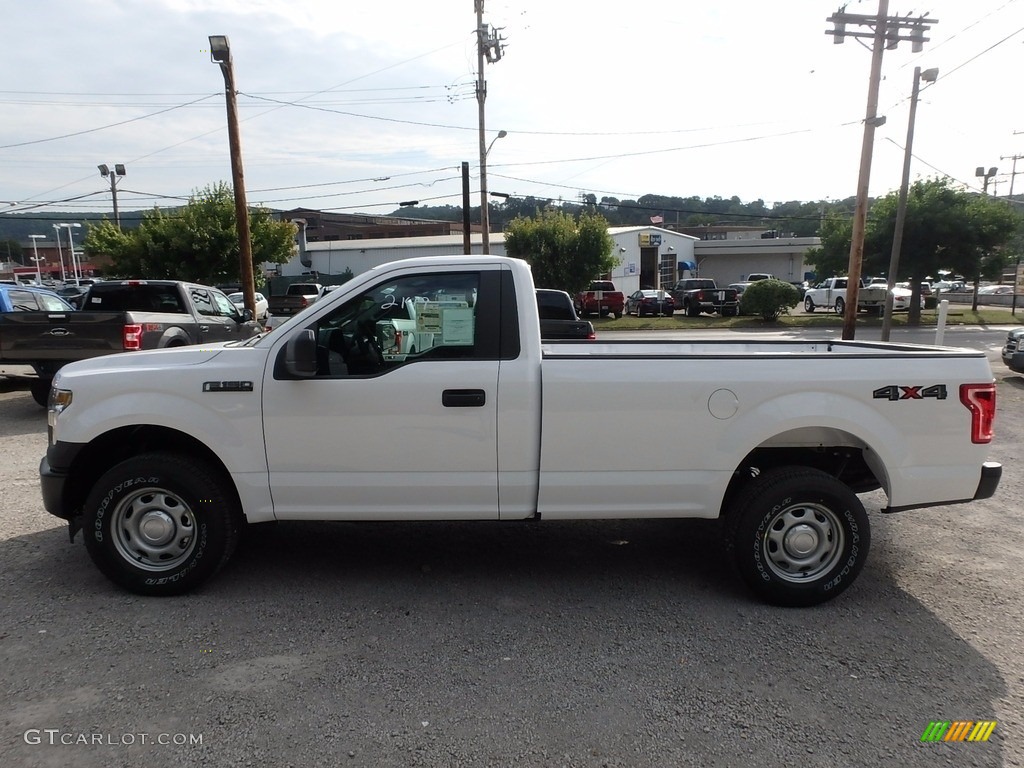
point(840, 306)
point(160, 524)
point(40, 389)
point(808, 304)
point(799, 536)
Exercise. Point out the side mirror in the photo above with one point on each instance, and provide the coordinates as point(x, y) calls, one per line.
point(246, 315)
point(300, 354)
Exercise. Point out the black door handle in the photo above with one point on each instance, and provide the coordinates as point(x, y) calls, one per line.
point(463, 398)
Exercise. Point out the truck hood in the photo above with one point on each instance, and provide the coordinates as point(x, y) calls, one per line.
point(147, 359)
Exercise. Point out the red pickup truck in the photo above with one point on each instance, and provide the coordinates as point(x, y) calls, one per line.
point(601, 298)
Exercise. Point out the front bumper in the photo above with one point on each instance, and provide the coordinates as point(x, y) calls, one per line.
point(1013, 359)
point(54, 471)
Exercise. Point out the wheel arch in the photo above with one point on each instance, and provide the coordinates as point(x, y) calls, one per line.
point(109, 449)
point(836, 452)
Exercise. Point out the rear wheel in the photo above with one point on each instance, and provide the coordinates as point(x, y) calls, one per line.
point(160, 524)
point(692, 311)
point(840, 306)
point(808, 304)
point(618, 314)
point(799, 537)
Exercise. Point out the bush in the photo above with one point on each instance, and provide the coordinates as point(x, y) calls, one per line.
point(769, 299)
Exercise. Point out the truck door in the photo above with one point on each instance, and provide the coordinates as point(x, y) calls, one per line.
point(216, 320)
point(385, 433)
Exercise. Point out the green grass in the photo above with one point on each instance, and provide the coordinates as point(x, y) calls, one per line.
point(956, 316)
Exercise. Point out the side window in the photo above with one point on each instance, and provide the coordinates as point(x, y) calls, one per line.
point(399, 321)
point(50, 303)
point(202, 301)
point(23, 301)
point(224, 307)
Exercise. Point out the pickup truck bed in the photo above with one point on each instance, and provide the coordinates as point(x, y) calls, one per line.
point(487, 422)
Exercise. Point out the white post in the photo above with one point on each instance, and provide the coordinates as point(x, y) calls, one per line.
point(940, 328)
point(60, 252)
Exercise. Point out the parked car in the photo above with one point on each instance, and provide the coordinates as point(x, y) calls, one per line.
point(696, 295)
point(29, 298)
point(601, 298)
point(262, 305)
point(159, 459)
point(740, 288)
point(1013, 351)
point(73, 294)
point(995, 290)
point(753, 277)
point(648, 301)
point(296, 298)
point(558, 319)
point(118, 316)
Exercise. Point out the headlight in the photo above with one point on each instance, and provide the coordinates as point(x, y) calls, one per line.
point(59, 400)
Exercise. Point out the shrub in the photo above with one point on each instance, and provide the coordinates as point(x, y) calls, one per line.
point(769, 299)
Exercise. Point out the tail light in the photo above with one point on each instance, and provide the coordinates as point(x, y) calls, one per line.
point(305, 302)
point(980, 400)
point(132, 338)
point(700, 295)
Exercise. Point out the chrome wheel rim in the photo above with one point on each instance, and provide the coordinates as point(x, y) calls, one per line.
point(802, 542)
point(153, 529)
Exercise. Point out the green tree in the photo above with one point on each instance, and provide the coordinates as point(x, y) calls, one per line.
point(198, 242)
point(565, 253)
point(945, 228)
point(769, 299)
point(11, 250)
point(832, 257)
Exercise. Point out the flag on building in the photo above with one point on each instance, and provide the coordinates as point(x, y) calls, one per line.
point(657, 219)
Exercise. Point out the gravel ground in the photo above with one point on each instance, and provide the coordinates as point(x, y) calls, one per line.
point(553, 644)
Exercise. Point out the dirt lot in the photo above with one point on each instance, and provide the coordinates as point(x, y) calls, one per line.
point(603, 644)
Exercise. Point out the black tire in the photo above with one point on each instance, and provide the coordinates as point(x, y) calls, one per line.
point(40, 390)
point(692, 311)
point(840, 306)
point(789, 509)
point(670, 313)
point(188, 512)
point(618, 315)
point(808, 304)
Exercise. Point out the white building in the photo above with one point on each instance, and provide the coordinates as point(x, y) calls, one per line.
point(647, 256)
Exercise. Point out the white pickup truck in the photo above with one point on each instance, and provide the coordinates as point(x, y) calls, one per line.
point(831, 294)
point(161, 457)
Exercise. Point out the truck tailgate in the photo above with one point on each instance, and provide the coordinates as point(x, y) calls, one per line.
point(33, 336)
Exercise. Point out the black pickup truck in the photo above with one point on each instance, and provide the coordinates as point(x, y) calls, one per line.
point(119, 316)
point(558, 318)
point(698, 294)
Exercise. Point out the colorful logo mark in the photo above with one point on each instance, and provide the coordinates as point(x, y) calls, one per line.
point(958, 730)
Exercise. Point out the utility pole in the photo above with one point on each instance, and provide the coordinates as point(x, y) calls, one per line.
point(887, 33)
point(466, 245)
point(929, 75)
point(489, 46)
point(220, 53)
point(1013, 170)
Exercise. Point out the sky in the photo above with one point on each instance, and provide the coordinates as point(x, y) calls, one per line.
point(358, 107)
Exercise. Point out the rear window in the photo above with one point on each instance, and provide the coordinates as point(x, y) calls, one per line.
point(602, 285)
point(134, 298)
point(554, 306)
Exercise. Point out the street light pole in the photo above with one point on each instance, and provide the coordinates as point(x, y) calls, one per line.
point(119, 171)
point(985, 175)
point(485, 208)
point(60, 253)
point(74, 260)
point(929, 76)
point(220, 52)
point(35, 257)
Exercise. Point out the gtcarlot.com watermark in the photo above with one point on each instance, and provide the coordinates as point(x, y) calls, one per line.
point(57, 737)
